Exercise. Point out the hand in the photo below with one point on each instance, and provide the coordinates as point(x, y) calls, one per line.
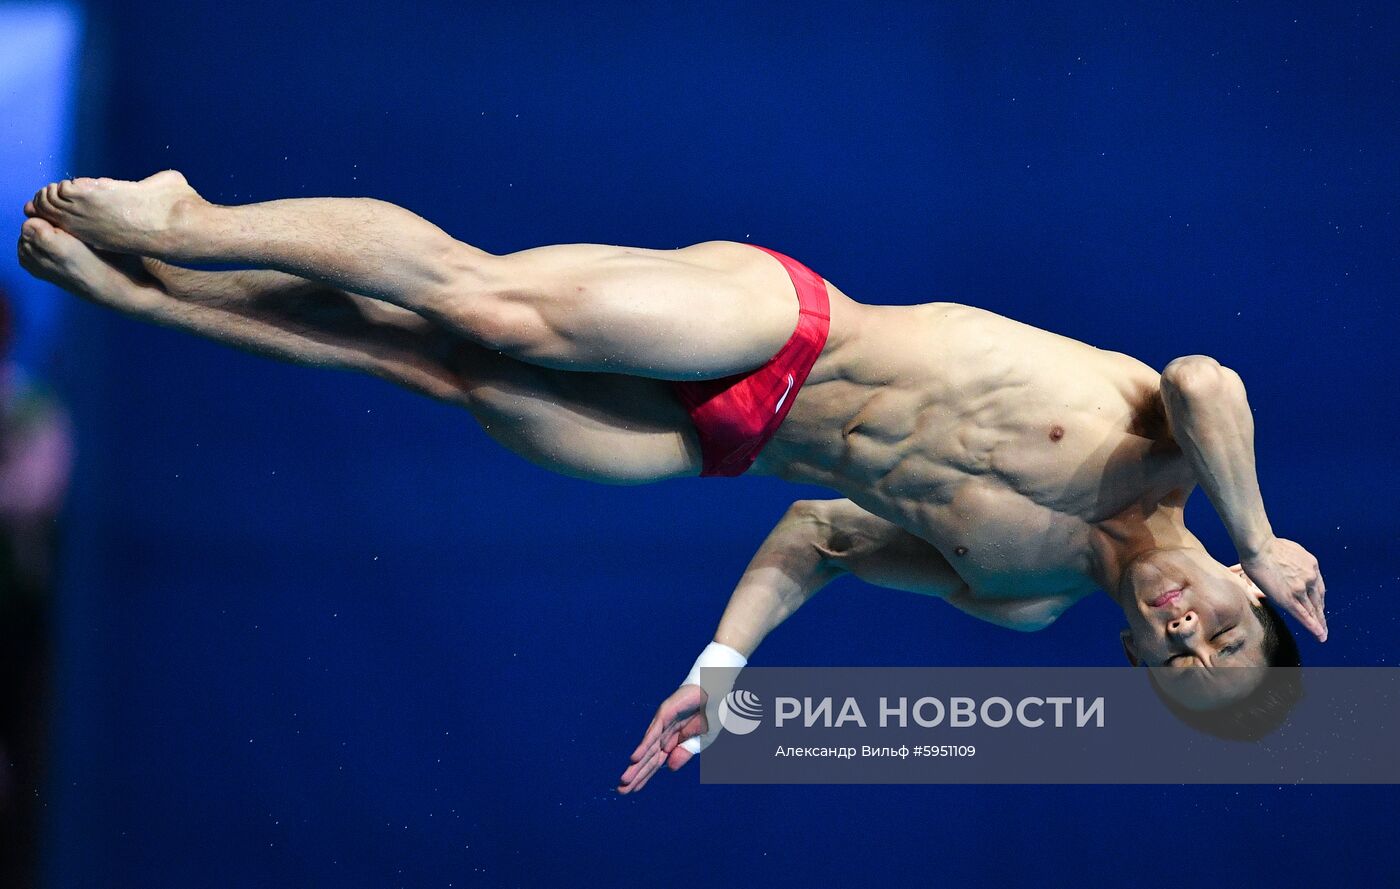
point(1288, 575)
point(679, 718)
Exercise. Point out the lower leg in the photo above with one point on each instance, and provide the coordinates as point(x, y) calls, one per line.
point(361, 245)
point(265, 312)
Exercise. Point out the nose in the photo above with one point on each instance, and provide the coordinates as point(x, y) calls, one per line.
point(1183, 626)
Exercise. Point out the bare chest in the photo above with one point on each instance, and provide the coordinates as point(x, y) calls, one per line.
point(1014, 513)
point(1006, 454)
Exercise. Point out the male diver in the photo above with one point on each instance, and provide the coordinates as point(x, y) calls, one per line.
point(1005, 469)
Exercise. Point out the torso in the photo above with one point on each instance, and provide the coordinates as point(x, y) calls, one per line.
point(1011, 449)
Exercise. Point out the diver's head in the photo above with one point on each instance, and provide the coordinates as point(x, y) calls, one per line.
point(1208, 638)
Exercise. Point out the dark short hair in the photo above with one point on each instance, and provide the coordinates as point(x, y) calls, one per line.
point(1267, 706)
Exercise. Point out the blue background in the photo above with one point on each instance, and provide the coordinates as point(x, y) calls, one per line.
point(318, 632)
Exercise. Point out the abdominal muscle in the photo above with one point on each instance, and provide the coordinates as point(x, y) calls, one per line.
point(1001, 444)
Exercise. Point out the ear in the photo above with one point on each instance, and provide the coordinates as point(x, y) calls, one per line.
point(1249, 587)
point(1126, 637)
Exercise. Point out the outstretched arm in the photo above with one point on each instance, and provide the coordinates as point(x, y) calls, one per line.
point(815, 542)
point(1210, 419)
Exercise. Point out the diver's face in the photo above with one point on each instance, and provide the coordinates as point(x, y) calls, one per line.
point(1190, 621)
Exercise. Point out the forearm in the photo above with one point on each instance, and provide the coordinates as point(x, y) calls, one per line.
point(788, 569)
point(359, 244)
point(785, 572)
point(1211, 421)
point(816, 541)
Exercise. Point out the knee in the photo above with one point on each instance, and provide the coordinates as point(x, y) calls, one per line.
point(500, 324)
point(497, 308)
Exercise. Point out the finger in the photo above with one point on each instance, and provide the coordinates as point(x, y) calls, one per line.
point(651, 773)
point(1319, 628)
point(681, 733)
point(1301, 611)
point(1309, 620)
point(647, 743)
point(649, 739)
point(667, 737)
point(636, 765)
point(638, 770)
point(630, 775)
point(1305, 615)
point(679, 757)
point(661, 723)
point(1315, 601)
point(652, 766)
point(1319, 597)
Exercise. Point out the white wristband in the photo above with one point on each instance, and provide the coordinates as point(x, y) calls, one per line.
point(721, 665)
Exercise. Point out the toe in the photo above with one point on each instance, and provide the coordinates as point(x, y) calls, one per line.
point(29, 209)
point(33, 229)
point(48, 204)
point(47, 239)
point(33, 255)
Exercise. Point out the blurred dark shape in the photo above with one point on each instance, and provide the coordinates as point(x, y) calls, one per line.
point(35, 459)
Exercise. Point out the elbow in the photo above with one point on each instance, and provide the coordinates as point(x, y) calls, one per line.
point(814, 531)
point(1195, 376)
point(810, 520)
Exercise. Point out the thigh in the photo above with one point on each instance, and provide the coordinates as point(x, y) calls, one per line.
point(704, 311)
point(602, 427)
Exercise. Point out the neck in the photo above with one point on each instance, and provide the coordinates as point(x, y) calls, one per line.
point(1123, 539)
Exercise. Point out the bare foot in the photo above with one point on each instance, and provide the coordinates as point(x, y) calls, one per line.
point(56, 256)
point(111, 214)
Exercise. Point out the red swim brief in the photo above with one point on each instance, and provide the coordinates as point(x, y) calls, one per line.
point(737, 415)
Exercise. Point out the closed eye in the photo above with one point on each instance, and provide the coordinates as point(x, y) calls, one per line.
point(1227, 650)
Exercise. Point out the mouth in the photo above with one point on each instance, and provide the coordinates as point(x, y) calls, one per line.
point(1166, 598)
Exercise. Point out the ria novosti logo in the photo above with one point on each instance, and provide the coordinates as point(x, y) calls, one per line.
point(740, 712)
